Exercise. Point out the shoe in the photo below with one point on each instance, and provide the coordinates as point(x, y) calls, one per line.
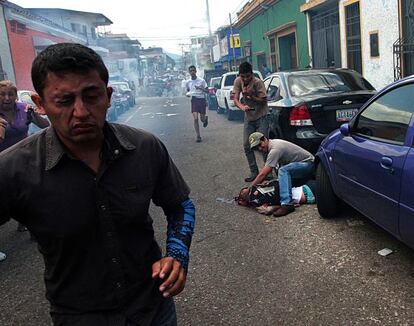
point(284, 210)
point(251, 177)
point(205, 123)
point(2, 256)
point(198, 139)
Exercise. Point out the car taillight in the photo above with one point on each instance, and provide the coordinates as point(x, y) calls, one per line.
point(300, 116)
point(211, 90)
point(232, 96)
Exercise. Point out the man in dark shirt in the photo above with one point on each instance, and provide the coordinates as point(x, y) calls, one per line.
point(83, 187)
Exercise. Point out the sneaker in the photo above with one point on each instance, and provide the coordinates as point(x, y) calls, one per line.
point(205, 123)
point(251, 177)
point(198, 139)
point(284, 210)
point(2, 256)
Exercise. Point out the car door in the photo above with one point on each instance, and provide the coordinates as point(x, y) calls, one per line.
point(219, 94)
point(369, 163)
point(406, 220)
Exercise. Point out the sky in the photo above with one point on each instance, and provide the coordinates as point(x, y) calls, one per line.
point(165, 23)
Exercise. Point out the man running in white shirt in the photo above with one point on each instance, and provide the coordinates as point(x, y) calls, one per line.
point(196, 87)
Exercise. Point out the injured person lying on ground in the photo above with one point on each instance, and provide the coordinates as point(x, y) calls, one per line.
point(265, 197)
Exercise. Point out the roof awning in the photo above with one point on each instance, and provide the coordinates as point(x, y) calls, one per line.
point(41, 42)
point(311, 4)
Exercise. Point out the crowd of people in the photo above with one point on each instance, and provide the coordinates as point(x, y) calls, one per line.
point(291, 163)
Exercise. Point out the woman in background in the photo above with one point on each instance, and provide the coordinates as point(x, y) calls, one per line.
point(15, 118)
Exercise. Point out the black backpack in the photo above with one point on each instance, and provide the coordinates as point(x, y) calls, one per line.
point(262, 194)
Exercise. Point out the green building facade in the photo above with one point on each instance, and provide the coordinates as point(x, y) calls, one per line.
point(275, 32)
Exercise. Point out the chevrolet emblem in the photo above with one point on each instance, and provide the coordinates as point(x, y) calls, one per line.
point(347, 102)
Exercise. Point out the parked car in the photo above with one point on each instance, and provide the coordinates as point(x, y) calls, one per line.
point(225, 95)
point(156, 87)
point(369, 162)
point(124, 88)
point(306, 105)
point(119, 104)
point(211, 96)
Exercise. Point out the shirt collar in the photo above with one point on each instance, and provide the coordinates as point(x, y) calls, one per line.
point(55, 150)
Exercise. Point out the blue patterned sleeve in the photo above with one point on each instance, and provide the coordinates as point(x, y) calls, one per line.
point(180, 231)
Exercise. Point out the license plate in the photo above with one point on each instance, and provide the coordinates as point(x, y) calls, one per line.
point(345, 115)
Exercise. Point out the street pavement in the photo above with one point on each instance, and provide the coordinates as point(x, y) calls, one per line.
point(245, 268)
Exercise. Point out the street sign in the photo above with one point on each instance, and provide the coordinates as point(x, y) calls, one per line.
point(235, 41)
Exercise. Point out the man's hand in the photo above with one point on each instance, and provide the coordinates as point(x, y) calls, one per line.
point(201, 89)
point(173, 274)
point(244, 107)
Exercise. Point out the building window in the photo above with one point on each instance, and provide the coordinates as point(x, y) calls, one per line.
point(75, 28)
point(374, 44)
point(17, 27)
point(247, 52)
point(353, 37)
point(273, 52)
point(93, 33)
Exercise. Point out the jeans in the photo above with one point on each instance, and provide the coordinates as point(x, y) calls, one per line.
point(261, 125)
point(295, 170)
point(164, 316)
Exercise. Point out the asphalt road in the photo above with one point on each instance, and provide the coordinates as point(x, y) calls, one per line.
point(245, 269)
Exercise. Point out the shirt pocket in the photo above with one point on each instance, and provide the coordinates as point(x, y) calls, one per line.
point(135, 201)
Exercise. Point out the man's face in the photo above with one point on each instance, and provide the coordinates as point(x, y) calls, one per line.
point(263, 146)
point(193, 72)
point(8, 97)
point(246, 78)
point(76, 105)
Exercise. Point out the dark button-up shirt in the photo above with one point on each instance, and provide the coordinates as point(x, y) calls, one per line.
point(93, 230)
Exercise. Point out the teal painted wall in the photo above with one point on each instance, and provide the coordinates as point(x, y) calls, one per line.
point(283, 12)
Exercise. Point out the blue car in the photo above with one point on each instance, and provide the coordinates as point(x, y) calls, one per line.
point(369, 162)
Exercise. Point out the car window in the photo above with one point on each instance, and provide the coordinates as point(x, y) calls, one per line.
point(267, 82)
point(214, 81)
point(275, 92)
point(388, 117)
point(326, 82)
point(229, 81)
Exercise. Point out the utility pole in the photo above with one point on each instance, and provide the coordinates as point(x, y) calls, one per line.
point(210, 38)
point(231, 42)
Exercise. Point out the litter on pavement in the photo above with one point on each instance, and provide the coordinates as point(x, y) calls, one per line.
point(385, 252)
point(224, 200)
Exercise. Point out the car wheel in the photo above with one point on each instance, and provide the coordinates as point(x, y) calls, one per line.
point(326, 199)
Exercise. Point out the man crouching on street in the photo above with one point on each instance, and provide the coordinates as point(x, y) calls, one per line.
point(292, 162)
point(83, 187)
